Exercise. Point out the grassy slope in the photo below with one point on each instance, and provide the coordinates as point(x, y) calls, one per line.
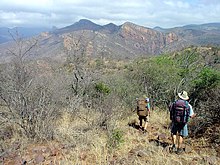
point(80, 143)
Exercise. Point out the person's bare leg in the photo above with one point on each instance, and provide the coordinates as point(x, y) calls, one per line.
point(174, 139)
point(145, 125)
point(179, 147)
point(180, 142)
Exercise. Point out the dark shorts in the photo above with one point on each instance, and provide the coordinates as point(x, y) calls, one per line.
point(145, 118)
point(182, 129)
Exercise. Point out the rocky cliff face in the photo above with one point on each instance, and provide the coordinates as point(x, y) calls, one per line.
point(171, 37)
point(142, 39)
point(125, 41)
point(128, 37)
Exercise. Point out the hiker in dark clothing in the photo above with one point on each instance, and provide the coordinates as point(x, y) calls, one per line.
point(180, 112)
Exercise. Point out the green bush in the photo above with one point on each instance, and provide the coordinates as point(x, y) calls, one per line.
point(207, 78)
point(116, 138)
point(102, 88)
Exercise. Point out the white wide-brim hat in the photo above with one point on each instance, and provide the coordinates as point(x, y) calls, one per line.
point(183, 95)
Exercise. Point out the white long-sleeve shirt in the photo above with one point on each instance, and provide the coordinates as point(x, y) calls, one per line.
point(191, 113)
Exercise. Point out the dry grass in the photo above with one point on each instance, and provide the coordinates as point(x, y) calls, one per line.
point(89, 142)
point(80, 142)
point(136, 148)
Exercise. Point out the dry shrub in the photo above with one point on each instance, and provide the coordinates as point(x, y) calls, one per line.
point(88, 135)
point(86, 138)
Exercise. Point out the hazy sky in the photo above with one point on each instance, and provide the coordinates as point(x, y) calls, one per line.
point(148, 13)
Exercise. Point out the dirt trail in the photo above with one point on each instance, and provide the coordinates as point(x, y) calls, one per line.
point(138, 148)
point(154, 148)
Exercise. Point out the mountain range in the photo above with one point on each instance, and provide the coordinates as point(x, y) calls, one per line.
point(5, 32)
point(126, 41)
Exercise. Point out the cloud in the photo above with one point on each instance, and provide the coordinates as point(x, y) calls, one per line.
point(149, 13)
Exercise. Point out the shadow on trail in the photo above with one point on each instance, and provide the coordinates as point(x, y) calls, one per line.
point(133, 125)
point(159, 143)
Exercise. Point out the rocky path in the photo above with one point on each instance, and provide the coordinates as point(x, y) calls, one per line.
point(137, 149)
point(154, 148)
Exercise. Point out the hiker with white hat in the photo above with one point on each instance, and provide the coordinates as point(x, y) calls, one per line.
point(180, 112)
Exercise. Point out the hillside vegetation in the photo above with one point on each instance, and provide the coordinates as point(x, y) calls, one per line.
point(126, 41)
point(82, 111)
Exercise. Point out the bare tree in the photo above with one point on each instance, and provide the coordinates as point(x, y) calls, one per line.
point(80, 77)
point(25, 99)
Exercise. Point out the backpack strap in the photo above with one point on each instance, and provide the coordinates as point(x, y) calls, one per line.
point(172, 110)
point(187, 109)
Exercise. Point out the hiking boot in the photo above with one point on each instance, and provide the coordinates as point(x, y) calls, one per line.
point(173, 148)
point(145, 132)
point(179, 151)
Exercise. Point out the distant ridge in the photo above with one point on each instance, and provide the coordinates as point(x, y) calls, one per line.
point(82, 24)
point(126, 41)
point(111, 27)
point(5, 35)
